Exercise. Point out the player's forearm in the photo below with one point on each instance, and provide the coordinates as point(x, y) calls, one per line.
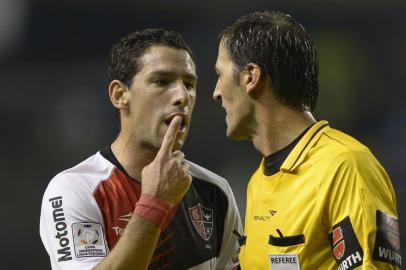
point(135, 248)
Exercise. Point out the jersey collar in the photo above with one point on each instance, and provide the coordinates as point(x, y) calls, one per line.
point(298, 154)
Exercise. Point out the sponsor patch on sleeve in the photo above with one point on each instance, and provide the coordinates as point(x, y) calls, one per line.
point(88, 240)
point(345, 245)
point(387, 240)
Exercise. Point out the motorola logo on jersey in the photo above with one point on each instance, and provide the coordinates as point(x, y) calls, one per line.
point(202, 219)
point(345, 246)
point(60, 225)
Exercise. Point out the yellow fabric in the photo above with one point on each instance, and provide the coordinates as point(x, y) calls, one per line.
point(327, 177)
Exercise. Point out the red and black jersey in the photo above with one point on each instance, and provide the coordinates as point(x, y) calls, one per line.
point(86, 208)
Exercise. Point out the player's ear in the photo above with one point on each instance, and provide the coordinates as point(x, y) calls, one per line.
point(252, 77)
point(118, 93)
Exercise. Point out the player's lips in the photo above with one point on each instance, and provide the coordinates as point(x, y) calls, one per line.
point(184, 123)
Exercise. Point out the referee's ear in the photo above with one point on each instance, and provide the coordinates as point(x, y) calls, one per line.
point(251, 76)
point(118, 95)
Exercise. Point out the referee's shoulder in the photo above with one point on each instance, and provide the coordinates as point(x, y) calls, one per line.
point(345, 149)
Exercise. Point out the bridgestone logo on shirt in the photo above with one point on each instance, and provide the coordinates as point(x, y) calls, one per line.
point(64, 251)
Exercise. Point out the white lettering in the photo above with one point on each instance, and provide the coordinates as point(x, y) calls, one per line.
point(356, 257)
point(350, 261)
point(390, 255)
point(344, 265)
point(118, 230)
point(398, 259)
point(383, 252)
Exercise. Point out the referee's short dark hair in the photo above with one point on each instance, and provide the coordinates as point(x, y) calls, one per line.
point(124, 56)
point(281, 47)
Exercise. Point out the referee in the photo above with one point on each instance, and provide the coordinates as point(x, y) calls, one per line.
point(319, 199)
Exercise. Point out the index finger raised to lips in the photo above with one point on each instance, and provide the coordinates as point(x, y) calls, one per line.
point(170, 136)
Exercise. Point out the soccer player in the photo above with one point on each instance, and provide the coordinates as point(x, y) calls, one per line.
point(138, 203)
point(319, 199)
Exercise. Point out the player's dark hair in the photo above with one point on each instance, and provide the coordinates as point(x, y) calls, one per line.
point(124, 56)
point(281, 47)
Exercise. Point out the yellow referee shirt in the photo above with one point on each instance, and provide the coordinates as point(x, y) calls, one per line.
point(331, 206)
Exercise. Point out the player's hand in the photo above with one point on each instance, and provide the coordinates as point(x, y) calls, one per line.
point(167, 176)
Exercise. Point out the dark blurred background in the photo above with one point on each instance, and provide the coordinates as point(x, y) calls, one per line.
point(55, 109)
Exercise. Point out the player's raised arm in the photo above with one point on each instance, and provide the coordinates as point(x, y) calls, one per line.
point(167, 177)
point(170, 137)
point(164, 182)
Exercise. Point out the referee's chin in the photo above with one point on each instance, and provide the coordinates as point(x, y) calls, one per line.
point(237, 134)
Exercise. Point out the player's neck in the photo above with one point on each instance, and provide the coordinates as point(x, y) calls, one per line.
point(131, 155)
point(277, 129)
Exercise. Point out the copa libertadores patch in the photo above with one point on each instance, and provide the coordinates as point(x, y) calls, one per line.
point(88, 240)
point(345, 245)
point(387, 240)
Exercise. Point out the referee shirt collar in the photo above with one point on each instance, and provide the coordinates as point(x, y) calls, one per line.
point(299, 152)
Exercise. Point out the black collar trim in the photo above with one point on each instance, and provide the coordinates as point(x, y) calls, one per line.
point(274, 161)
point(301, 152)
point(108, 154)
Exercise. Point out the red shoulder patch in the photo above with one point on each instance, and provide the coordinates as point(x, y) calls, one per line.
point(345, 245)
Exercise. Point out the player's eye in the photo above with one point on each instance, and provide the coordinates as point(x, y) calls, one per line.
point(190, 85)
point(161, 82)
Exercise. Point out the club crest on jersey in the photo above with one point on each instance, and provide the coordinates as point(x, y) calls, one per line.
point(345, 246)
point(202, 219)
